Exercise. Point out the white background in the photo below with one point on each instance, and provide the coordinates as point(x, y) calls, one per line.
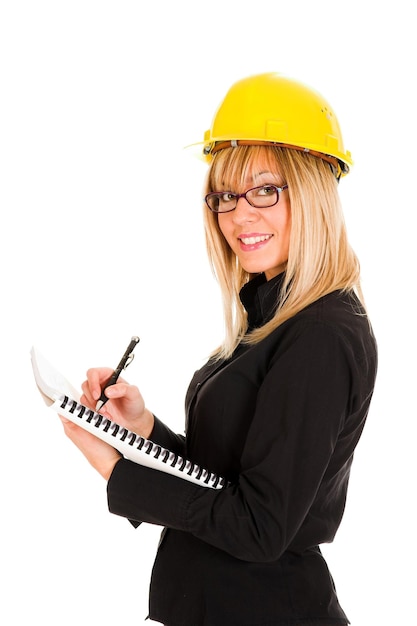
point(101, 238)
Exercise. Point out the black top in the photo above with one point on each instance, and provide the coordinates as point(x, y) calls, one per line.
point(280, 420)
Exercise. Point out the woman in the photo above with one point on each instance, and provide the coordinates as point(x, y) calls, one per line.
point(280, 406)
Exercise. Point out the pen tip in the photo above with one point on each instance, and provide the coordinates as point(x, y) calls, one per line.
point(99, 405)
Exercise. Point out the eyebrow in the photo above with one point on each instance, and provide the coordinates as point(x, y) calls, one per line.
point(252, 177)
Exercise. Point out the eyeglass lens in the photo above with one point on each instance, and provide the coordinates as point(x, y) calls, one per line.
point(258, 197)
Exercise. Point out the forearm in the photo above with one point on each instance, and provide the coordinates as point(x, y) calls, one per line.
point(223, 518)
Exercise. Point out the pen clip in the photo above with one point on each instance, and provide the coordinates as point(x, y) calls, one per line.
point(129, 360)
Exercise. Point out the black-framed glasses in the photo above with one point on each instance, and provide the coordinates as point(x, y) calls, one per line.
point(259, 197)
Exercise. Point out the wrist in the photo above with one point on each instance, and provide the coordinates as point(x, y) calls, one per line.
point(148, 422)
point(106, 470)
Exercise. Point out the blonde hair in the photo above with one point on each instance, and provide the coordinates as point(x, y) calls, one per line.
point(320, 259)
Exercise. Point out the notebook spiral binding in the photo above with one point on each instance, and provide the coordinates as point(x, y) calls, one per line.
point(137, 448)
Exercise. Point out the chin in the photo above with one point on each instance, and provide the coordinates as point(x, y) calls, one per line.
point(269, 271)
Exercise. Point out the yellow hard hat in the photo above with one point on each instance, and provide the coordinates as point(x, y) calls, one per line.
point(273, 109)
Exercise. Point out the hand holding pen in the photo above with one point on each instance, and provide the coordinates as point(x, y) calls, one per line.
point(126, 359)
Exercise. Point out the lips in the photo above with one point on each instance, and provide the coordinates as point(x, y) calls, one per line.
point(253, 241)
point(249, 240)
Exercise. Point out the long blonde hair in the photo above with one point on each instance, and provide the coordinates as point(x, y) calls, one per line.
point(320, 259)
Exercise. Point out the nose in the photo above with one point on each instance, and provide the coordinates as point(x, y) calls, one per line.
point(244, 212)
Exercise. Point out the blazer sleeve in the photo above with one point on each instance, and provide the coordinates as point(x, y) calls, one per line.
point(310, 411)
point(166, 438)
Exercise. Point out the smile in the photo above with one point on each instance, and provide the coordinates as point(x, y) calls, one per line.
point(250, 241)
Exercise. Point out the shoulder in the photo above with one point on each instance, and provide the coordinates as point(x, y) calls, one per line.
point(337, 318)
point(340, 312)
point(336, 308)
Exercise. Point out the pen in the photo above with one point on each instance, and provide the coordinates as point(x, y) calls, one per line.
point(126, 359)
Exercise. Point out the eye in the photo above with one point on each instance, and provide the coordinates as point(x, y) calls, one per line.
point(267, 190)
point(227, 196)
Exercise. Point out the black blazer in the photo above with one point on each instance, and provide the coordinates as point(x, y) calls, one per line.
point(280, 420)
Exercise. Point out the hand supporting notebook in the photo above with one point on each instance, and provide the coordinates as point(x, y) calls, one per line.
point(62, 397)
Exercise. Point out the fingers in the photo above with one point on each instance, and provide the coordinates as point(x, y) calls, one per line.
point(122, 390)
point(126, 405)
point(96, 378)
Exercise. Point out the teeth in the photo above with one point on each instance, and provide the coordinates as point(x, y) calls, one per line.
point(248, 241)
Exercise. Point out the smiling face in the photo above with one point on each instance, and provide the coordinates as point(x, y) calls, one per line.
point(259, 237)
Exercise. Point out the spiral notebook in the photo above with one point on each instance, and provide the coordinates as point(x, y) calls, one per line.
point(63, 398)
